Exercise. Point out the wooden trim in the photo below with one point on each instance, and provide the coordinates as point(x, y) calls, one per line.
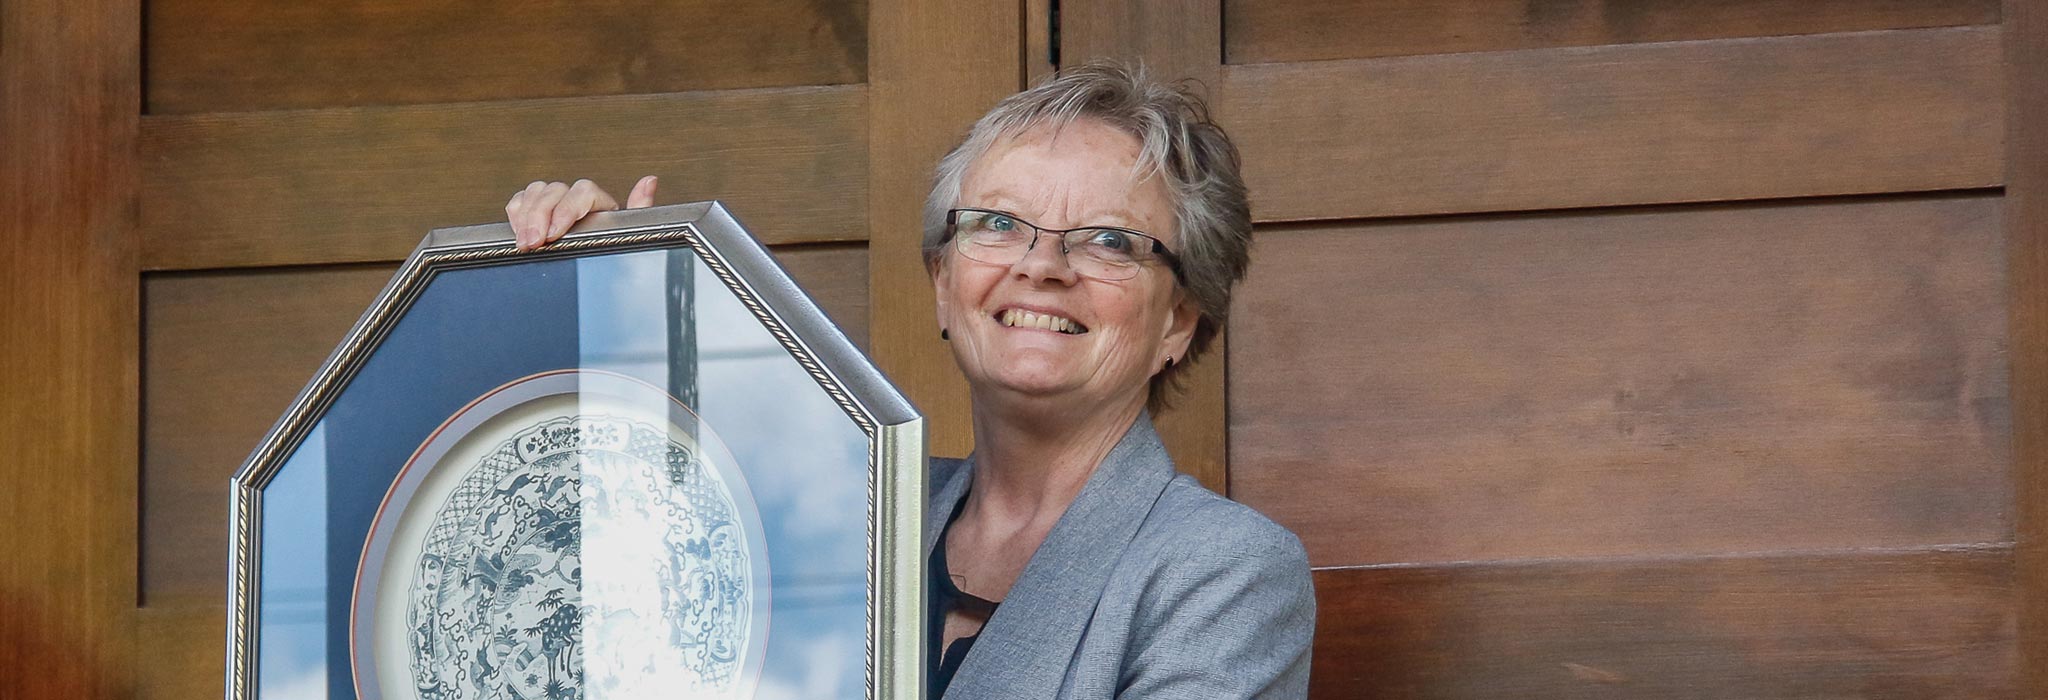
point(1175, 40)
point(933, 68)
point(368, 182)
point(70, 87)
point(2026, 217)
point(1894, 111)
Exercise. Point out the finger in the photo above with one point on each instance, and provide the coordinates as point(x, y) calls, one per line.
point(642, 195)
point(513, 208)
point(583, 198)
point(541, 212)
point(523, 226)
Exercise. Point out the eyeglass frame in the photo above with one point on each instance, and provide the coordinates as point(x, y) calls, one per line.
point(1159, 248)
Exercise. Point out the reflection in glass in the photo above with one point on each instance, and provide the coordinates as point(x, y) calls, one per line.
point(294, 622)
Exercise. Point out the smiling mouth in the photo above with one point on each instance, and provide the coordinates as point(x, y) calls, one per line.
point(1019, 318)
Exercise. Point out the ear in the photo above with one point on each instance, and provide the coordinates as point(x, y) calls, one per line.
point(1180, 326)
point(942, 285)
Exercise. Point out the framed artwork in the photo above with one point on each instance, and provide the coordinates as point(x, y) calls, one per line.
point(639, 462)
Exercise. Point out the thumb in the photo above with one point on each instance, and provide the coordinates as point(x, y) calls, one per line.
point(642, 195)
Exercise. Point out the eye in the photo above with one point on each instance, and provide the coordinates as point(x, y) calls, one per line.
point(1111, 241)
point(998, 223)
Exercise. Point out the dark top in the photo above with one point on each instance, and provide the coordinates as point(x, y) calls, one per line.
point(945, 598)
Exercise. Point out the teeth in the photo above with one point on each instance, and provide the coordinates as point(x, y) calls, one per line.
point(1019, 318)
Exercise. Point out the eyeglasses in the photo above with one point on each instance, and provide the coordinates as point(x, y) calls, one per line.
point(1102, 252)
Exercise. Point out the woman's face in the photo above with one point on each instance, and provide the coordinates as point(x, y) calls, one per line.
point(1079, 175)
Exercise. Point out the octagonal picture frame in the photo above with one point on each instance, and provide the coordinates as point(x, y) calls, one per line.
point(639, 455)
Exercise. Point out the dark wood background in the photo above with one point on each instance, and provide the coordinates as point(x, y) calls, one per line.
point(1595, 348)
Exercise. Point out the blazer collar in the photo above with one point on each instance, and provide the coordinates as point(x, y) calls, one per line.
point(1025, 648)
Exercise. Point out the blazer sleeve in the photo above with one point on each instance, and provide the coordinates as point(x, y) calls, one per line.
point(1226, 619)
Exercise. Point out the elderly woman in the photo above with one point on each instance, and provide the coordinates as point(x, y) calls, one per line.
point(1083, 241)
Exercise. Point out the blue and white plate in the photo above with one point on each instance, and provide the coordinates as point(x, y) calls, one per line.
point(569, 535)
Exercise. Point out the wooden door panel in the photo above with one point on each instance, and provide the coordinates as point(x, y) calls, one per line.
point(244, 55)
point(1831, 114)
point(353, 185)
point(1905, 625)
point(1278, 31)
point(1650, 382)
point(224, 353)
point(184, 650)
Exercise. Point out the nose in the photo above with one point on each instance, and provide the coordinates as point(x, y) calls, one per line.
point(1045, 260)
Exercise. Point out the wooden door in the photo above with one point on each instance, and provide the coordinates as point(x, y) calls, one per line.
point(1622, 349)
point(1655, 349)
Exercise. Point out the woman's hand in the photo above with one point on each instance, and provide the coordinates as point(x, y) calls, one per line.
point(542, 212)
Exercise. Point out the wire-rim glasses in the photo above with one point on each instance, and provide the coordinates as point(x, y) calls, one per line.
point(1103, 252)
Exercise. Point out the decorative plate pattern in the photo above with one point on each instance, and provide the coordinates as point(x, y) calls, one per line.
point(573, 548)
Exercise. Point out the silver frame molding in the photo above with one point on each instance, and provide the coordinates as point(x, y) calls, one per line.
point(896, 432)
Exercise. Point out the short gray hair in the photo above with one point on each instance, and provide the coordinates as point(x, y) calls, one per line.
point(1177, 139)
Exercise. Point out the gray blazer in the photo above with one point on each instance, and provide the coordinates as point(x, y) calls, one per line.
point(1150, 586)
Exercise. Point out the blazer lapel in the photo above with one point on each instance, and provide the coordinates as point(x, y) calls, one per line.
point(945, 495)
point(1025, 648)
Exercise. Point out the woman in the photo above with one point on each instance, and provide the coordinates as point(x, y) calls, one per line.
point(1083, 242)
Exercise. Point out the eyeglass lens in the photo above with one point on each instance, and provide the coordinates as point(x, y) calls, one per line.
point(1002, 239)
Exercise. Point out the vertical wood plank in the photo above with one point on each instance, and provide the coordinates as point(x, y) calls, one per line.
point(2026, 192)
point(933, 68)
point(69, 108)
point(1038, 49)
point(1176, 40)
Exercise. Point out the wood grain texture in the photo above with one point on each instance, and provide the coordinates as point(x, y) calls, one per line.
point(933, 68)
point(1661, 381)
point(1899, 111)
point(1266, 31)
point(186, 652)
point(1038, 41)
point(363, 184)
point(1176, 40)
point(837, 277)
point(69, 81)
point(243, 55)
point(1902, 625)
point(2026, 205)
point(227, 351)
point(224, 353)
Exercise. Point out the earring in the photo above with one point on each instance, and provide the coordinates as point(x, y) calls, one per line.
point(943, 335)
point(1168, 365)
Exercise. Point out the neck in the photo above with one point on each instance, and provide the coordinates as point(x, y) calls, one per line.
point(1030, 463)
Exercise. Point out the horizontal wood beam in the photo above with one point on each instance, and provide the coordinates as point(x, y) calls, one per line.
point(1830, 114)
point(1933, 623)
point(366, 183)
point(252, 55)
point(1262, 31)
